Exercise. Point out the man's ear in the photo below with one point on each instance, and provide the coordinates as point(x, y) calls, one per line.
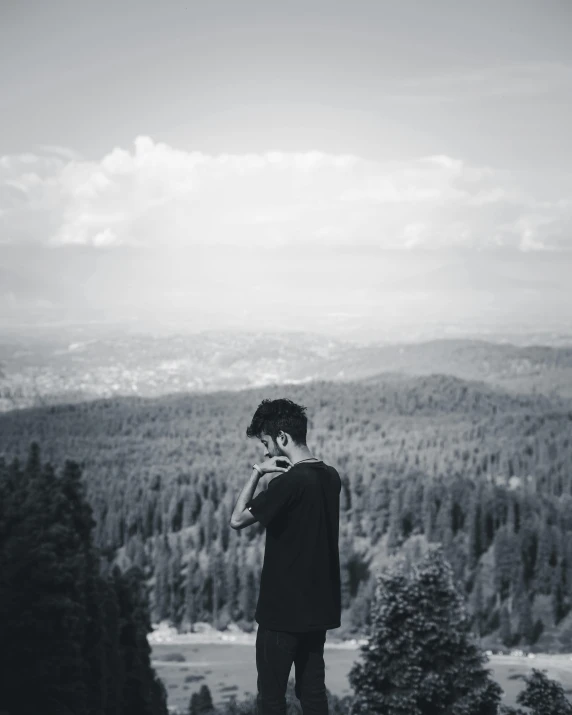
point(284, 438)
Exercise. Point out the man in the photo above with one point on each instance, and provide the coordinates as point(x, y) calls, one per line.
point(300, 593)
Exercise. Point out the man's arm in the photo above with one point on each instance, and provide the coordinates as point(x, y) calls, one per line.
point(241, 517)
point(247, 518)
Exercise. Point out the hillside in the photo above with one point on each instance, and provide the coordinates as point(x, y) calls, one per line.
point(72, 366)
point(435, 458)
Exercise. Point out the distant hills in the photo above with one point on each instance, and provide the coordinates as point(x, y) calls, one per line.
point(53, 367)
point(431, 458)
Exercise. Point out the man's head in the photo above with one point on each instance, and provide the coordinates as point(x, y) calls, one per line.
point(279, 425)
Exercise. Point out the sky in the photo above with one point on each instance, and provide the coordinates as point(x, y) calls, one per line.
point(369, 169)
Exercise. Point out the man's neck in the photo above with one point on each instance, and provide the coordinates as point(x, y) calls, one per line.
point(301, 454)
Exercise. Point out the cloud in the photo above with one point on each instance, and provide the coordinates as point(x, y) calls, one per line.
point(157, 195)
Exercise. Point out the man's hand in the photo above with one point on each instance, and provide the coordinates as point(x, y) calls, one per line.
point(275, 464)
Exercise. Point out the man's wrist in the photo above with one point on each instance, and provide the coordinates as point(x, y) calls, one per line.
point(256, 468)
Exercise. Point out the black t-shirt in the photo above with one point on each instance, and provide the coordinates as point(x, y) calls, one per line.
point(300, 586)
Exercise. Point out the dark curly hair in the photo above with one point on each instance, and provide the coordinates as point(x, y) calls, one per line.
point(271, 416)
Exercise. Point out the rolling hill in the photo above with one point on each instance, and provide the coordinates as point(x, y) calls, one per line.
point(62, 366)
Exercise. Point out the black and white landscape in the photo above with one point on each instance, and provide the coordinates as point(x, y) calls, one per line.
point(364, 207)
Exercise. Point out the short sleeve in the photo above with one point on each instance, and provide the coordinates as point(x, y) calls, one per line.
point(282, 493)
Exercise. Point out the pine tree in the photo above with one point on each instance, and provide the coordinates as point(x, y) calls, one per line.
point(543, 570)
point(444, 525)
point(220, 594)
point(163, 590)
point(420, 658)
point(513, 521)
point(543, 696)
point(224, 527)
point(356, 516)
point(115, 670)
point(249, 594)
point(345, 558)
point(560, 600)
point(176, 586)
point(143, 692)
point(191, 591)
point(394, 536)
point(43, 624)
point(427, 510)
point(528, 539)
point(231, 578)
point(487, 518)
point(204, 701)
point(525, 621)
point(504, 562)
point(475, 530)
point(477, 603)
point(505, 631)
point(62, 629)
point(207, 522)
point(194, 704)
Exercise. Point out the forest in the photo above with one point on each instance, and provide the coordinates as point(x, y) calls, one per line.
point(485, 472)
point(74, 627)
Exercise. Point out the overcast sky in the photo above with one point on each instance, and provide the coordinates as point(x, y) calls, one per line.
point(305, 165)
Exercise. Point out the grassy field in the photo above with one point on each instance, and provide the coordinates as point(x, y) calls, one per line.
point(230, 669)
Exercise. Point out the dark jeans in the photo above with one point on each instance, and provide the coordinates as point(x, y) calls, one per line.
point(275, 653)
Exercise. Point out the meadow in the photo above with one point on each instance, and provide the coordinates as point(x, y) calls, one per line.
point(230, 669)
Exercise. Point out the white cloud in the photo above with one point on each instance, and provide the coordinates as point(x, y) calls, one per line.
point(158, 195)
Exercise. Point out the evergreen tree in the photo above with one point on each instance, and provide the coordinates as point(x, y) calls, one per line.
point(194, 704)
point(231, 578)
point(163, 589)
point(204, 701)
point(477, 603)
point(543, 570)
point(505, 631)
point(220, 595)
point(62, 629)
point(420, 658)
point(525, 621)
point(504, 549)
point(356, 516)
point(427, 514)
point(93, 648)
point(143, 692)
point(346, 551)
point(560, 599)
point(543, 696)
point(249, 595)
point(115, 668)
point(444, 524)
point(487, 518)
point(513, 517)
point(191, 591)
point(224, 529)
point(394, 536)
point(176, 583)
point(42, 577)
point(528, 539)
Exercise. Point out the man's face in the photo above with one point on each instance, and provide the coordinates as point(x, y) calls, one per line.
point(271, 449)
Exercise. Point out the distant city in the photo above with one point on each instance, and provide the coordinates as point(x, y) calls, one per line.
point(70, 363)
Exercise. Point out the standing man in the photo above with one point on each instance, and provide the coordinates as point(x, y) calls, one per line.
point(300, 592)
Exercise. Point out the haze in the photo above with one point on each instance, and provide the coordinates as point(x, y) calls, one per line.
point(361, 169)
